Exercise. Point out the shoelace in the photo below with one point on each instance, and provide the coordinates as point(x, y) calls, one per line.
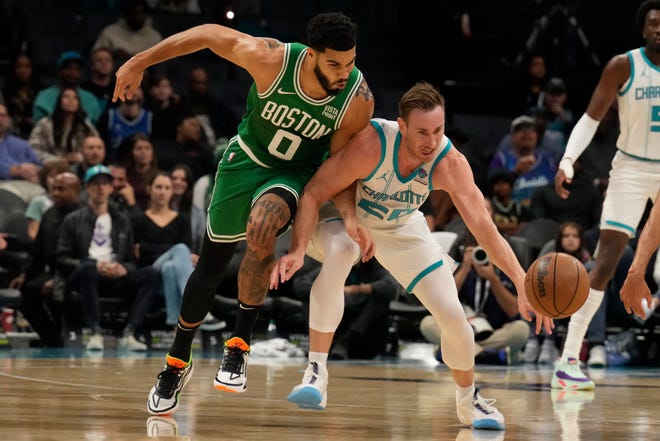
point(232, 361)
point(311, 373)
point(168, 379)
point(484, 404)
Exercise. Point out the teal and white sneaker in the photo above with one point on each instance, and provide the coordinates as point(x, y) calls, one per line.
point(568, 375)
point(479, 412)
point(311, 393)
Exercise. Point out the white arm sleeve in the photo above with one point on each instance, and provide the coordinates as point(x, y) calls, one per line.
point(580, 138)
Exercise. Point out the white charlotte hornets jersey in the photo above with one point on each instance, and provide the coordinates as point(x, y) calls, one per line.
point(639, 109)
point(386, 197)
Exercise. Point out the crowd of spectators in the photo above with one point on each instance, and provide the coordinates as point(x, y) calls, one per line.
point(111, 189)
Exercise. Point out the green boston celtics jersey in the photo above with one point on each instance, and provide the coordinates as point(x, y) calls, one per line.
point(283, 127)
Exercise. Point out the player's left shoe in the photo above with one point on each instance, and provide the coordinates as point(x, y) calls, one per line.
point(479, 412)
point(312, 392)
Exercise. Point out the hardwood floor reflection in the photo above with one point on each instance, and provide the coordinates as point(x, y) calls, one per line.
point(67, 395)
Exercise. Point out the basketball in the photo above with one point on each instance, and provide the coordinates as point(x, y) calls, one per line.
point(557, 285)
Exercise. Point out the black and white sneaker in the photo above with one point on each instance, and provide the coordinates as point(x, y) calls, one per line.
point(232, 375)
point(164, 396)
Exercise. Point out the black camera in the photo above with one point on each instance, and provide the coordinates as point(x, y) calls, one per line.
point(479, 256)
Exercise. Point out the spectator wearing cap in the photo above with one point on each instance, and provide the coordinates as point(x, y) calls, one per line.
point(531, 167)
point(133, 32)
point(69, 71)
point(508, 214)
point(95, 257)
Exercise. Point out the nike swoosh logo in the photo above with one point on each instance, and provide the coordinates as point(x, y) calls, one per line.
point(243, 307)
point(283, 92)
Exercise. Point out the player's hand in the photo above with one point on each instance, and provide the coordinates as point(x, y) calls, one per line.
point(564, 174)
point(360, 234)
point(633, 292)
point(285, 267)
point(526, 311)
point(129, 78)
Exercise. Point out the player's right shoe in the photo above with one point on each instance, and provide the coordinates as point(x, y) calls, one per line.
point(479, 412)
point(164, 396)
point(312, 392)
point(232, 375)
point(568, 375)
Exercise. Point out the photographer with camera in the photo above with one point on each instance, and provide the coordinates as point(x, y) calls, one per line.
point(489, 300)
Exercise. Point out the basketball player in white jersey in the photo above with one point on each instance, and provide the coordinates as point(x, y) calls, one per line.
point(633, 78)
point(396, 165)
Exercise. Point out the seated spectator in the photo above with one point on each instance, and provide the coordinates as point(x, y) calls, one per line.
point(141, 165)
point(582, 206)
point(41, 301)
point(42, 202)
point(61, 135)
point(162, 240)
point(217, 119)
point(69, 71)
point(95, 256)
point(101, 81)
point(123, 195)
point(163, 102)
point(17, 158)
point(92, 153)
point(508, 214)
point(186, 148)
point(133, 32)
point(559, 118)
point(19, 90)
point(531, 167)
point(547, 142)
point(489, 294)
point(118, 123)
point(182, 185)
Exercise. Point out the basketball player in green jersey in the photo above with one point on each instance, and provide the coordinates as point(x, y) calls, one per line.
point(305, 102)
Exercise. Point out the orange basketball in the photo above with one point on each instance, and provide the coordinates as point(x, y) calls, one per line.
point(557, 285)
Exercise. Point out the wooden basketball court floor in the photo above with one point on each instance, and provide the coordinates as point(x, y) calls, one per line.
point(70, 394)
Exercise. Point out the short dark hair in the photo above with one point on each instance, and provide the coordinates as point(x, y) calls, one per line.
point(644, 9)
point(331, 30)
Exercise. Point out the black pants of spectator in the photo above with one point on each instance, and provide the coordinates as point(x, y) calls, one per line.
point(363, 329)
point(43, 312)
point(139, 285)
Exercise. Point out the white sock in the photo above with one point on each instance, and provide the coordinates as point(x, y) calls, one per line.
point(577, 326)
point(320, 358)
point(462, 392)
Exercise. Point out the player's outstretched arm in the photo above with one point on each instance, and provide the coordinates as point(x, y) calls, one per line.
point(454, 175)
point(237, 47)
point(635, 289)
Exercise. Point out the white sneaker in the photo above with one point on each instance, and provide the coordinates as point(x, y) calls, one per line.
point(95, 343)
point(532, 351)
point(479, 412)
point(597, 357)
point(549, 352)
point(312, 393)
point(132, 344)
point(568, 375)
point(232, 375)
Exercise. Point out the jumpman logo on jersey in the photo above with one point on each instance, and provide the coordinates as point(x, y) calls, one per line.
point(384, 177)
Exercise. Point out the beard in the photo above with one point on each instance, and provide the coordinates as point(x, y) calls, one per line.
point(325, 82)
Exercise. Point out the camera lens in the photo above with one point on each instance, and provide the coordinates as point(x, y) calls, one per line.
point(479, 256)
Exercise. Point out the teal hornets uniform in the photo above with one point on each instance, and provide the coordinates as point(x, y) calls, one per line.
point(282, 139)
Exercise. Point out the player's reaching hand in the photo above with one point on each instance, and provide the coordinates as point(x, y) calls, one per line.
point(129, 79)
point(285, 267)
point(527, 312)
point(360, 234)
